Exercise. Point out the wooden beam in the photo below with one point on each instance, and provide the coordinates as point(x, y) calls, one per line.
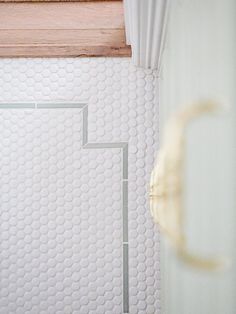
point(12, 1)
point(66, 29)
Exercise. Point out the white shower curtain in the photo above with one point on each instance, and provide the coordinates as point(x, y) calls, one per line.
point(145, 24)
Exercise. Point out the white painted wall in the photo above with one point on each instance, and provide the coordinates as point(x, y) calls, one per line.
point(198, 65)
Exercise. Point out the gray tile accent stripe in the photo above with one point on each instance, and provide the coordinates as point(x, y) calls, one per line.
point(41, 105)
point(59, 105)
point(124, 147)
point(17, 105)
point(85, 125)
point(125, 211)
point(126, 278)
point(104, 145)
point(87, 145)
point(125, 162)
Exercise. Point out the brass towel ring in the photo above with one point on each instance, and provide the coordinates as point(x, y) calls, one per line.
point(166, 186)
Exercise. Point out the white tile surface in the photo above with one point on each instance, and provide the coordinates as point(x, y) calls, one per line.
point(61, 222)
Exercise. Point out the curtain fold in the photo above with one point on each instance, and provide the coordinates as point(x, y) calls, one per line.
point(145, 25)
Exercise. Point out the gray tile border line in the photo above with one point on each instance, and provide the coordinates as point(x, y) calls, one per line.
point(88, 145)
point(125, 278)
point(125, 247)
point(59, 105)
point(35, 105)
point(125, 162)
point(125, 211)
point(104, 145)
point(17, 105)
point(85, 126)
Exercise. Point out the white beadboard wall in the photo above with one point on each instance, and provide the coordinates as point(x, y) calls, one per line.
point(78, 141)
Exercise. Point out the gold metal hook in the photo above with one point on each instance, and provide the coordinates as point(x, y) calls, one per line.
point(166, 186)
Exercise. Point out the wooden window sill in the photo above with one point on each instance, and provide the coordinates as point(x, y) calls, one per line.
point(63, 29)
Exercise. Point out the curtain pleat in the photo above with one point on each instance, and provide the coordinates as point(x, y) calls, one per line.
point(145, 25)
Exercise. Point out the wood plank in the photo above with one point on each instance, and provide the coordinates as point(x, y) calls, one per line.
point(49, 51)
point(62, 29)
point(97, 37)
point(65, 15)
point(12, 1)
